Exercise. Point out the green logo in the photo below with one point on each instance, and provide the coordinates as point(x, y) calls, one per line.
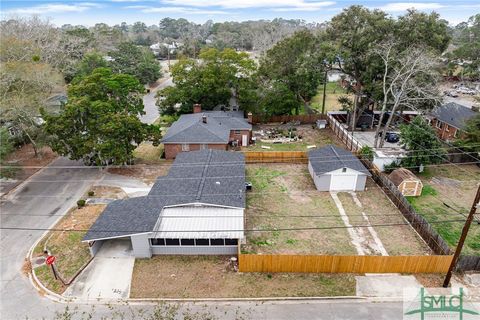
point(441, 305)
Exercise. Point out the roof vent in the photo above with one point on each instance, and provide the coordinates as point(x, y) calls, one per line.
point(217, 182)
point(204, 119)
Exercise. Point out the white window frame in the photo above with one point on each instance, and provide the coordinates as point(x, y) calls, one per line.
point(185, 147)
point(203, 146)
point(439, 124)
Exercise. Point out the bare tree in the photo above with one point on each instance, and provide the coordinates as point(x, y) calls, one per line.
point(409, 82)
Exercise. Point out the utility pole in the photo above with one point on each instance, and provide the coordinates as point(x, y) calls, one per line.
point(466, 227)
point(324, 90)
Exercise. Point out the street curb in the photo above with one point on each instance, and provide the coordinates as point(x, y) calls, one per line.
point(21, 184)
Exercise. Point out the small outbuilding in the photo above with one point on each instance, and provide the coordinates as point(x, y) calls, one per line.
point(408, 183)
point(336, 169)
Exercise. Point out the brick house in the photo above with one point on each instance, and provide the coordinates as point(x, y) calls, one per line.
point(207, 130)
point(449, 120)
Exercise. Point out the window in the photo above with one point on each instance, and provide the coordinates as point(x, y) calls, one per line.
point(187, 242)
point(201, 242)
point(447, 127)
point(185, 147)
point(455, 133)
point(172, 242)
point(344, 169)
point(216, 242)
point(439, 124)
point(157, 242)
point(203, 147)
point(237, 131)
point(231, 242)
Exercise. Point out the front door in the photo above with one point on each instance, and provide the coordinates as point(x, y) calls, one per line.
point(244, 140)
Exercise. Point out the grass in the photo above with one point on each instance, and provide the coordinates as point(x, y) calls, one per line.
point(448, 194)
point(71, 254)
point(146, 153)
point(282, 195)
point(211, 277)
point(333, 92)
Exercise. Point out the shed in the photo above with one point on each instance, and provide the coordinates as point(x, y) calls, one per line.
point(336, 169)
point(408, 183)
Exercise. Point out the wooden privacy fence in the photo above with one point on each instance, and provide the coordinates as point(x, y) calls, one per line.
point(343, 134)
point(276, 157)
point(343, 264)
point(305, 118)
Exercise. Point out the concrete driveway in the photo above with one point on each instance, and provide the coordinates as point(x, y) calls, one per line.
point(368, 138)
point(109, 274)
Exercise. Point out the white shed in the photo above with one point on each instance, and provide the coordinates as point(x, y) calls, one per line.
point(336, 169)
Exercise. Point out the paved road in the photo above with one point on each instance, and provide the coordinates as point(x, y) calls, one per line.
point(149, 101)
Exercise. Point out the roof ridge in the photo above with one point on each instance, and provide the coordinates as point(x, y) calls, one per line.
point(202, 182)
point(337, 155)
point(208, 129)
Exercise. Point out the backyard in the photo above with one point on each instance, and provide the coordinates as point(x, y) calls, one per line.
point(333, 92)
point(284, 197)
point(448, 194)
point(212, 277)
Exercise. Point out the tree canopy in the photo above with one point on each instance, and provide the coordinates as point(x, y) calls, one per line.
point(210, 81)
point(100, 123)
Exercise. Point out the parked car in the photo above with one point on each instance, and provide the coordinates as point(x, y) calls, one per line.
point(392, 137)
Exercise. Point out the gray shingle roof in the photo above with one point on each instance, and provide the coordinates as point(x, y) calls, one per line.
point(453, 114)
point(189, 128)
point(208, 176)
point(330, 158)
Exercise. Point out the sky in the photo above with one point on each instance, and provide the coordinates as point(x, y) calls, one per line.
point(112, 12)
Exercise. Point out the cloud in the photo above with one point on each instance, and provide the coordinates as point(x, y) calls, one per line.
point(53, 8)
point(242, 4)
point(403, 6)
point(178, 10)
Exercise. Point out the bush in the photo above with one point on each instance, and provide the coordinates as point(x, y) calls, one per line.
point(81, 203)
point(91, 193)
point(168, 119)
point(367, 153)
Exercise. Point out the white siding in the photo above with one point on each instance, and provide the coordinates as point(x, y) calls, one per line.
point(141, 245)
point(194, 250)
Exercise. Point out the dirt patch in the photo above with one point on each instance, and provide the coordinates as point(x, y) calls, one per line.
point(210, 277)
point(71, 254)
point(144, 172)
point(284, 201)
point(108, 192)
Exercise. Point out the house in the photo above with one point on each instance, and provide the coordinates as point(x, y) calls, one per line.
point(408, 183)
point(207, 130)
point(336, 169)
point(449, 119)
point(196, 209)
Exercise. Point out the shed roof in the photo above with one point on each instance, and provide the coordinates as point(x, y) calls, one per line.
point(401, 174)
point(331, 158)
point(453, 114)
point(189, 222)
point(212, 177)
point(190, 128)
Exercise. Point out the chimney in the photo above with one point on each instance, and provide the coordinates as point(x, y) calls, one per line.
point(197, 108)
point(204, 119)
point(250, 118)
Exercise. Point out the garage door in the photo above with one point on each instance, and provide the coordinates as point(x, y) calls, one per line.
point(343, 182)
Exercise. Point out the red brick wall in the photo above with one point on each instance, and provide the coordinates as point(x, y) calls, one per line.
point(446, 132)
point(238, 136)
point(171, 150)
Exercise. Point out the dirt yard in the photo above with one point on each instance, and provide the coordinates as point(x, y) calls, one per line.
point(71, 254)
point(448, 194)
point(211, 277)
point(107, 192)
point(309, 136)
point(284, 197)
point(146, 173)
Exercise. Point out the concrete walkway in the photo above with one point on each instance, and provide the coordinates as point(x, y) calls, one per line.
point(108, 275)
point(131, 186)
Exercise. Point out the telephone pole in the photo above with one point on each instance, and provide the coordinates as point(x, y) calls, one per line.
point(466, 227)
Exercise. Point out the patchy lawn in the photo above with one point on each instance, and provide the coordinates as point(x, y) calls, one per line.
point(107, 192)
point(148, 173)
point(397, 240)
point(71, 254)
point(284, 197)
point(210, 277)
point(448, 194)
point(333, 92)
point(146, 153)
point(310, 136)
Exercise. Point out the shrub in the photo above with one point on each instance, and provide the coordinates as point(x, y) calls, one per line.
point(91, 193)
point(367, 153)
point(81, 203)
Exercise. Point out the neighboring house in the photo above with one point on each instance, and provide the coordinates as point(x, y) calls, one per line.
point(198, 208)
point(336, 169)
point(207, 130)
point(449, 120)
point(408, 183)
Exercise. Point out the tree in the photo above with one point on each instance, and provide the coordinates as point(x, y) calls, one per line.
point(89, 62)
point(468, 47)
point(421, 143)
point(138, 62)
point(277, 99)
point(6, 145)
point(297, 62)
point(470, 136)
point(211, 81)
point(100, 123)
